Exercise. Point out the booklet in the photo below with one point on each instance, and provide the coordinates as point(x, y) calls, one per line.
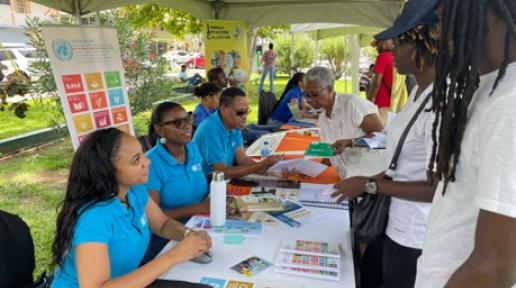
point(307, 261)
point(259, 202)
point(303, 166)
point(312, 273)
point(309, 247)
point(232, 227)
point(251, 266)
point(319, 149)
point(295, 215)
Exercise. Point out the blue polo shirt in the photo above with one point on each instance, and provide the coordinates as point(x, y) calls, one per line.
point(215, 143)
point(124, 231)
point(201, 113)
point(282, 112)
point(179, 184)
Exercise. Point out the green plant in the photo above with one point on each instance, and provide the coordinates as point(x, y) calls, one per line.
point(303, 52)
point(338, 53)
point(144, 71)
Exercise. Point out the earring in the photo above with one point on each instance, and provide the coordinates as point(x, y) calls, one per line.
point(162, 140)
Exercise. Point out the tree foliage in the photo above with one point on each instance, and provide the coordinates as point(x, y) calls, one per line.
point(337, 52)
point(176, 22)
point(303, 52)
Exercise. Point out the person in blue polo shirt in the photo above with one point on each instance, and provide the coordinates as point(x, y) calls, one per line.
point(176, 181)
point(104, 222)
point(293, 92)
point(209, 93)
point(220, 142)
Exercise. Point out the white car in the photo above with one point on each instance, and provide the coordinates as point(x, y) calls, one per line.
point(20, 57)
point(176, 56)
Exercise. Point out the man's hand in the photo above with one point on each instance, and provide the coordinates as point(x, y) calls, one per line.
point(340, 145)
point(350, 188)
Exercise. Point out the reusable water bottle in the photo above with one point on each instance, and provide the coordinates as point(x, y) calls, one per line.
point(265, 150)
point(218, 199)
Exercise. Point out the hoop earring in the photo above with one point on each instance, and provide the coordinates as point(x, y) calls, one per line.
point(162, 140)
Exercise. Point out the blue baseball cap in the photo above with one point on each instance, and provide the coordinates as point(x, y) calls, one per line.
point(414, 13)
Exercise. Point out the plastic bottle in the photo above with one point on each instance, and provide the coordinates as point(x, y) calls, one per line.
point(218, 199)
point(265, 150)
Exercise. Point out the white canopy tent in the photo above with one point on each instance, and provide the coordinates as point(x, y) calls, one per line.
point(373, 13)
point(361, 37)
point(363, 14)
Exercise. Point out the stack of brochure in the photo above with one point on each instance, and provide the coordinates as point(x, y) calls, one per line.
point(313, 259)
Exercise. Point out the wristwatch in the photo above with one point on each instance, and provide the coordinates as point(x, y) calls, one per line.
point(370, 186)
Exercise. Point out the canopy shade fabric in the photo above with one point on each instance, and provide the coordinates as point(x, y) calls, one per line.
point(372, 13)
point(328, 30)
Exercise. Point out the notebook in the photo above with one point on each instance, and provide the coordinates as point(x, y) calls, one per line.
point(309, 247)
point(307, 261)
point(319, 196)
point(312, 273)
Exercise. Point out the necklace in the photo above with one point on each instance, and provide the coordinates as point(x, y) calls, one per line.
point(181, 158)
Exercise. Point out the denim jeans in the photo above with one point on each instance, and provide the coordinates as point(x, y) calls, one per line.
point(270, 71)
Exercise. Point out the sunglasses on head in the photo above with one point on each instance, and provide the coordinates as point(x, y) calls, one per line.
point(242, 113)
point(179, 122)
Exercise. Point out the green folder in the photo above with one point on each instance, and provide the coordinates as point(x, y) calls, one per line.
point(318, 149)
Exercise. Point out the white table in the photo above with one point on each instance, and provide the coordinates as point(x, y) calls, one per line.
point(334, 227)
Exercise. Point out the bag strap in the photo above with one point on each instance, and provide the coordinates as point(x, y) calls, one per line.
point(387, 87)
point(394, 162)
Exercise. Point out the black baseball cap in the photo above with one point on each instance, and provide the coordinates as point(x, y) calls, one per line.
point(414, 13)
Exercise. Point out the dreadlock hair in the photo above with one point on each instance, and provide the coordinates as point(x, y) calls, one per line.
point(464, 26)
point(425, 52)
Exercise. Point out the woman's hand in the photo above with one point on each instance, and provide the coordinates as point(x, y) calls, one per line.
point(193, 245)
point(350, 188)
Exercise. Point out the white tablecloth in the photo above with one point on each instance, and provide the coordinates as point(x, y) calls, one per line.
point(333, 227)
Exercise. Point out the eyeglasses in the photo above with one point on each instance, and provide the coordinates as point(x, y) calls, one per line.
point(309, 95)
point(243, 113)
point(179, 122)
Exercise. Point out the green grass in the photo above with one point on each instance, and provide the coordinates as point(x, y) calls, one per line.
point(32, 184)
point(38, 117)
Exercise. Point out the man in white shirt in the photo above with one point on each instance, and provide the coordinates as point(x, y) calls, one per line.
point(345, 117)
point(471, 234)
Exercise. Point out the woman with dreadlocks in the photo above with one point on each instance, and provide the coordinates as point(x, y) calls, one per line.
point(471, 234)
point(390, 260)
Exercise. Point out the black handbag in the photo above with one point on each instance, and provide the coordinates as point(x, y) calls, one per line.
point(369, 215)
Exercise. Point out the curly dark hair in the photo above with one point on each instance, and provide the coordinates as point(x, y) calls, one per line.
point(91, 180)
point(464, 27)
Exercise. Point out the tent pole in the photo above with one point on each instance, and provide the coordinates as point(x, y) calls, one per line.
point(317, 48)
point(292, 50)
point(78, 11)
point(355, 64)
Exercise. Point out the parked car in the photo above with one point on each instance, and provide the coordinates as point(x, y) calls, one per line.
point(176, 56)
point(20, 57)
point(196, 61)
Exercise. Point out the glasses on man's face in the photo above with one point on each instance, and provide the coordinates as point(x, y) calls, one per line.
point(242, 113)
point(309, 95)
point(179, 122)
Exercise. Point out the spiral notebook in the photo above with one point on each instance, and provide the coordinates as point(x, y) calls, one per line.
point(312, 273)
point(319, 196)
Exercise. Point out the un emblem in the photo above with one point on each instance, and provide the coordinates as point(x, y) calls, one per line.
point(62, 49)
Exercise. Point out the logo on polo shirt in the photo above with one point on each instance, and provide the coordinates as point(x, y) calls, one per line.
point(233, 144)
point(196, 167)
point(143, 220)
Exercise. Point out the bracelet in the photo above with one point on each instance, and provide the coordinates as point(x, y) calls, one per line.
point(352, 142)
point(190, 230)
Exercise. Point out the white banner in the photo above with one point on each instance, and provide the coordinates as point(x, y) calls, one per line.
point(90, 80)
